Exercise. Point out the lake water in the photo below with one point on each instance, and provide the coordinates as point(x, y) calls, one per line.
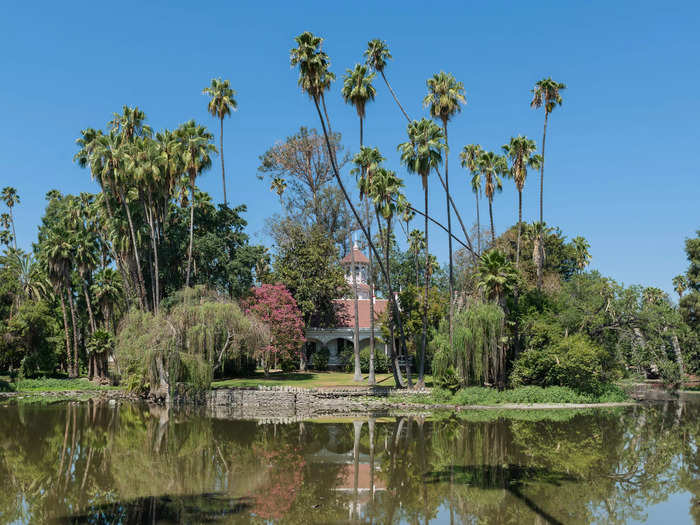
point(129, 463)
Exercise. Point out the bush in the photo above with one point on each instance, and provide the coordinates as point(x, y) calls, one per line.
point(575, 362)
point(381, 361)
point(448, 380)
point(319, 359)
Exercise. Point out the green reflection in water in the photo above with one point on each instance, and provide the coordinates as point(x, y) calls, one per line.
point(129, 463)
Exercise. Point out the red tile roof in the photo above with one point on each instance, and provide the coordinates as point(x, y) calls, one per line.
point(346, 311)
point(359, 257)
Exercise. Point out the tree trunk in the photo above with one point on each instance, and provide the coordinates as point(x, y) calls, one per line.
point(544, 138)
point(373, 248)
point(76, 368)
point(189, 251)
point(93, 326)
point(493, 230)
point(150, 218)
point(12, 222)
point(449, 237)
point(421, 365)
point(679, 355)
point(478, 224)
point(356, 332)
point(520, 227)
point(371, 302)
point(69, 358)
point(142, 287)
point(221, 145)
point(395, 98)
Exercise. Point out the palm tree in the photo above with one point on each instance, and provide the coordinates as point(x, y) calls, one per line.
point(376, 56)
point(537, 232)
point(367, 161)
point(421, 154)
point(444, 98)
point(680, 285)
point(521, 152)
point(583, 257)
point(469, 160)
point(108, 292)
point(130, 123)
point(492, 166)
point(10, 197)
point(196, 154)
point(221, 103)
point(385, 191)
point(416, 244)
point(546, 93)
point(358, 91)
point(278, 185)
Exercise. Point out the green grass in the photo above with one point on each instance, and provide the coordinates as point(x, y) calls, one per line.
point(58, 385)
point(522, 395)
point(306, 380)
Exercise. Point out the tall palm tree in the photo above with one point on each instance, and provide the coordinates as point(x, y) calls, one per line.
point(367, 162)
point(583, 256)
point(385, 192)
point(680, 285)
point(521, 152)
point(376, 56)
point(421, 154)
point(108, 292)
point(197, 148)
point(313, 80)
point(444, 98)
point(10, 197)
point(546, 93)
point(492, 166)
point(469, 159)
point(221, 103)
point(358, 91)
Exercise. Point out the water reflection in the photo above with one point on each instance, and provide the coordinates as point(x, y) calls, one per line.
point(97, 463)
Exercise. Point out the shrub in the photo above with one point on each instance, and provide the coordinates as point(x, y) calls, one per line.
point(319, 359)
point(575, 362)
point(381, 361)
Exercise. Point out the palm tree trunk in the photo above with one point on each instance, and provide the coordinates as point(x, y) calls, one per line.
point(12, 222)
point(421, 365)
point(74, 372)
point(544, 138)
point(142, 287)
point(397, 377)
point(93, 326)
point(189, 250)
point(520, 227)
point(221, 146)
point(371, 301)
point(478, 224)
point(154, 243)
point(493, 230)
point(395, 97)
point(69, 359)
point(356, 332)
point(449, 234)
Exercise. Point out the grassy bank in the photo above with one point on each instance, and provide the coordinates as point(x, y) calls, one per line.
point(51, 385)
point(521, 395)
point(307, 380)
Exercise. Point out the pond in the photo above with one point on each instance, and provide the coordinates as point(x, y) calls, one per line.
point(129, 463)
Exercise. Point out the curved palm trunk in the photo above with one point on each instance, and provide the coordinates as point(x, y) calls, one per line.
point(189, 250)
point(141, 285)
point(69, 358)
point(541, 255)
point(493, 231)
point(76, 368)
point(356, 331)
point(421, 365)
point(221, 146)
point(396, 372)
point(449, 235)
point(371, 304)
point(395, 97)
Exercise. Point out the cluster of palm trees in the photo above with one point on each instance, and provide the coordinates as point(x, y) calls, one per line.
point(425, 152)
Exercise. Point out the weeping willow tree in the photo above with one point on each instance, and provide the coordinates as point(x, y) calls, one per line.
point(477, 356)
point(184, 344)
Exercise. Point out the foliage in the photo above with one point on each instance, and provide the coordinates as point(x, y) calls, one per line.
point(381, 361)
point(308, 267)
point(197, 335)
point(319, 359)
point(275, 306)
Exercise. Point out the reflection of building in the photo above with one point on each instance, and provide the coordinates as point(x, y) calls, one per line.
point(337, 337)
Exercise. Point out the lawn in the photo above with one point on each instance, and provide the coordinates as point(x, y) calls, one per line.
point(51, 385)
point(306, 380)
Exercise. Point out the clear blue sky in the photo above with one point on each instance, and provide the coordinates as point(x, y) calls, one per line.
point(621, 167)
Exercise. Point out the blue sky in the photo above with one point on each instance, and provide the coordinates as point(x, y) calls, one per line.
point(621, 153)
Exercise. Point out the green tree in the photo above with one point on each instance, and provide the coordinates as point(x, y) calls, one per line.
point(492, 167)
point(521, 152)
point(680, 285)
point(221, 103)
point(358, 91)
point(444, 98)
point(197, 149)
point(376, 56)
point(583, 256)
point(10, 197)
point(421, 154)
point(497, 276)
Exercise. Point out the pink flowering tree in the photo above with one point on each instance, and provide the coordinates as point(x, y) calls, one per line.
point(274, 305)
